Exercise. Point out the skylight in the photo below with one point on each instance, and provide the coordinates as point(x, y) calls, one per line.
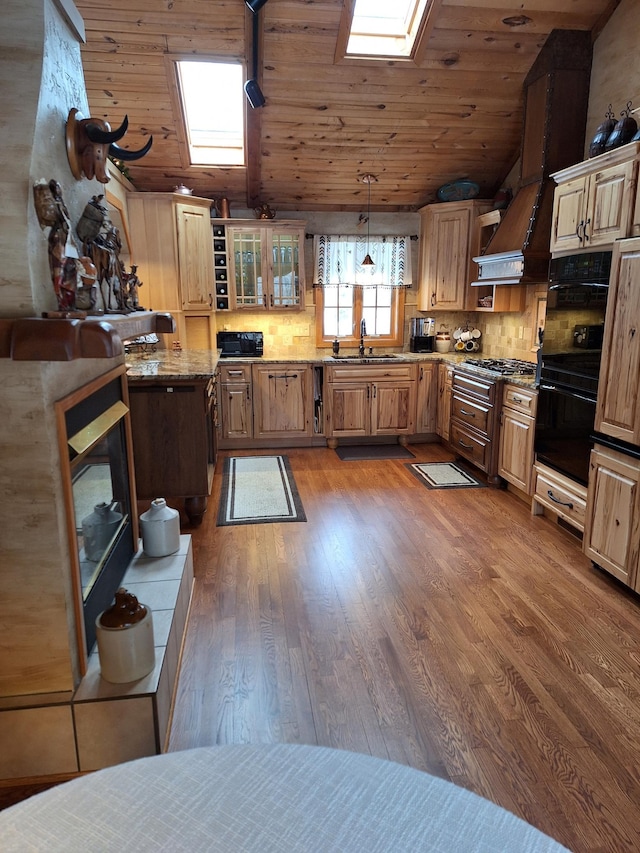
point(212, 97)
point(385, 28)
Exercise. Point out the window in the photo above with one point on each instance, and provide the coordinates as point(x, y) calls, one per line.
point(211, 97)
point(380, 29)
point(349, 292)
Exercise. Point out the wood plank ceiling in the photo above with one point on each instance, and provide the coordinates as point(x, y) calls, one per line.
point(456, 114)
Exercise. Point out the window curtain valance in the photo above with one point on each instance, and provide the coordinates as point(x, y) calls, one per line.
point(337, 261)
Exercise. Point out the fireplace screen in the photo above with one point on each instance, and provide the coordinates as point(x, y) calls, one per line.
point(97, 474)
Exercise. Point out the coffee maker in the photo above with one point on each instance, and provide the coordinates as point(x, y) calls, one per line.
point(423, 334)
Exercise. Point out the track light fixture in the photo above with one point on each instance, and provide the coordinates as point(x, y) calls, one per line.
point(254, 94)
point(251, 87)
point(368, 260)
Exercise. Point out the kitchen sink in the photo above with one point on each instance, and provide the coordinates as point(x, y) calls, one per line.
point(363, 359)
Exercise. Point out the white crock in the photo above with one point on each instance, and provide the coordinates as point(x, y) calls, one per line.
point(160, 526)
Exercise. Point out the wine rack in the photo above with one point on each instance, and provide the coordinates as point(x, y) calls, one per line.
point(220, 264)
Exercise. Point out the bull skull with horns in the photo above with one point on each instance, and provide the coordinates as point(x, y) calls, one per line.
point(90, 141)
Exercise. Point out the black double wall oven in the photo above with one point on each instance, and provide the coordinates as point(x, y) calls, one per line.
point(569, 362)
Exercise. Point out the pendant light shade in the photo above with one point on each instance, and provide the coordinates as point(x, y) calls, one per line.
point(368, 260)
point(255, 5)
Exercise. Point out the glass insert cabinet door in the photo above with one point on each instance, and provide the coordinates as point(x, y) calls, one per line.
point(267, 267)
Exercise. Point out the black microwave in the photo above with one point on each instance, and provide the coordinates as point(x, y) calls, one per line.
point(247, 344)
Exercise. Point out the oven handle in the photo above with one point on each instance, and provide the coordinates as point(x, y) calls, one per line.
point(568, 393)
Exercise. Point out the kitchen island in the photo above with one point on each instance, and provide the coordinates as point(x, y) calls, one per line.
point(173, 421)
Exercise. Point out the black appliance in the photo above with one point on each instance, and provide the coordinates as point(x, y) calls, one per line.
point(422, 334)
point(587, 336)
point(421, 343)
point(568, 370)
point(233, 344)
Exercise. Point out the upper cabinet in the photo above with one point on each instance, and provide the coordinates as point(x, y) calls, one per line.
point(195, 255)
point(618, 407)
point(449, 238)
point(266, 265)
point(594, 201)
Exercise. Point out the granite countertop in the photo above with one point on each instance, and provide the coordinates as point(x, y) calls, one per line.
point(172, 365)
point(201, 364)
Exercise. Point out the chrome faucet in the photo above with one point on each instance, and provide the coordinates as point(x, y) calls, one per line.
point(363, 332)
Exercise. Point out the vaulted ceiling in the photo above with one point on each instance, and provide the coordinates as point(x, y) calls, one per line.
point(455, 114)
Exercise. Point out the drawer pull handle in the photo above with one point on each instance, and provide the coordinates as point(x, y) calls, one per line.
point(462, 444)
point(235, 372)
point(517, 399)
point(283, 376)
point(556, 500)
point(469, 414)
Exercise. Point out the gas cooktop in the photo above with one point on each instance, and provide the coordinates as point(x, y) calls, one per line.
point(503, 366)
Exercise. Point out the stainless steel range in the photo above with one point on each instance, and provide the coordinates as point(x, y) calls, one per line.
point(503, 366)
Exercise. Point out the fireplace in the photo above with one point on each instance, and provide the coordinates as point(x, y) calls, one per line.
point(94, 434)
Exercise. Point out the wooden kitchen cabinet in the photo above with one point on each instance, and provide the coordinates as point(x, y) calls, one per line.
point(173, 249)
point(173, 428)
point(195, 254)
point(366, 400)
point(594, 201)
point(618, 406)
point(611, 533)
point(443, 409)
point(426, 397)
point(517, 433)
point(282, 400)
point(266, 265)
point(475, 403)
point(558, 495)
point(449, 239)
point(235, 398)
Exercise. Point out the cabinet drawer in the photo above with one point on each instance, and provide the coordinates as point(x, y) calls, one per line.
point(470, 412)
point(569, 501)
point(370, 373)
point(483, 389)
point(521, 399)
point(475, 448)
point(232, 373)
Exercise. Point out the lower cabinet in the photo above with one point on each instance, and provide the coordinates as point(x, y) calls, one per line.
point(163, 413)
point(426, 398)
point(443, 407)
point(267, 401)
point(517, 433)
point(365, 400)
point(473, 433)
point(559, 495)
point(282, 400)
point(235, 396)
point(611, 533)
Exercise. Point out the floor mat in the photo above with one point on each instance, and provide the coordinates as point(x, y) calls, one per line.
point(258, 490)
point(444, 475)
point(354, 452)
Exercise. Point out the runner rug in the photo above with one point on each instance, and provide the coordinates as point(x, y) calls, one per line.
point(444, 475)
point(257, 490)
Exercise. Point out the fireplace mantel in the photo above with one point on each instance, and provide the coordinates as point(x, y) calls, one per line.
point(46, 339)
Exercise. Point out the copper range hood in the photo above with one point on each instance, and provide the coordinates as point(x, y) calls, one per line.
point(556, 94)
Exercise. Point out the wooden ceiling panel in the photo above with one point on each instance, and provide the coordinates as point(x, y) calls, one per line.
point(456, 114)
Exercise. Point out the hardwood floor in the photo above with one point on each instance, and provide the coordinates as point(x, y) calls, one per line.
point(448, 630)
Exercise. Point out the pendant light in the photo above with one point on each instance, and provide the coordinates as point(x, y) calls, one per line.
point(368, 260)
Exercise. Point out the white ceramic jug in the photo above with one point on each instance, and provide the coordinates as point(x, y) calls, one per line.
point(160, 526)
